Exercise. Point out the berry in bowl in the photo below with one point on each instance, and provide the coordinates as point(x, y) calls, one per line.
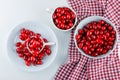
point(64, 18)
point(96, 37)
point(32, 46)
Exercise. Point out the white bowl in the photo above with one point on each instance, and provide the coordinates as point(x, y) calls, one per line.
point(59, 28)
point(13, 37)
point(85, 22)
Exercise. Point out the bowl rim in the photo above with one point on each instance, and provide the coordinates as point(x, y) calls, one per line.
point(100, 18)
point(28, 70)
point(74, 22)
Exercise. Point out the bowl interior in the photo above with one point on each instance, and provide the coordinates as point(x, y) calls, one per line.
point(45, 31)
point(88, 20)
point(67, 29)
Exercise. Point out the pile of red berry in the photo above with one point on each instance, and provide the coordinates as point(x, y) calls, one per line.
point(30, 46)
point(96, 38)
point(64, 18)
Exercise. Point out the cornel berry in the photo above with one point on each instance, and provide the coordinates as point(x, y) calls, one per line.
point(63, 18)
point(96, 38)
point(30, 46)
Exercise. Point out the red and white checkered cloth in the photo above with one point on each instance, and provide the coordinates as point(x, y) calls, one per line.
point(80, 67)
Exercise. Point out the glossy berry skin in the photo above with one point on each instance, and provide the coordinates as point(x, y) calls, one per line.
point(48, 51)
point(63, 18)
point(27, 63)
point(29, 47)
point(18, 44)
point(96, 38)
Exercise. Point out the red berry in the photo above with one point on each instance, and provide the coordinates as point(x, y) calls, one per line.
point(111, 43)
point(89, 52)
point(85, 48)
point(101, 32)
point(92, 42)
point(54, 16)
point(83, 41)
point(108, 47)
point(110, 27)
point(100, 49)
point(48, 51)
point(90, 38)
point(67, 27)
point(58, 14)
point(113, 32)
point(80, 45)
point(107, 34)
point(62, 26)
point(33, 59)
point(35, 53)
point(62, 11)
point(18, 44)
point(102, 22)
point(97, 32)
point(41, 55)
point(105, 43)
point(104, 37)
point(28, 54)
point(98, 25)
point(95, 54)
point(21, 54)
point(104, 51)
point(18, 50)
point(39, 62)
point(58, 10)
point(88, 26)
point(63, 21)
point(47, 46)
point(95, 45)
point(45, 40)
point(93, 37)
point(92, 49)
point(27, 63)
point(111, 39)
point(88, 43)
point(21, 37)
point(106, 24)
point(73, 15)
point(103, 28)
point(98, 40)
point(25, 57)
point(22, 31)
point(80, 31)
point(68, 16)
point(94, 26)
point(37, 35)
point(71, 24)
point(63, 17)
point(57, 21)
point(113, 36)
point(89, 33)
point(78, 37)
point(31, 33)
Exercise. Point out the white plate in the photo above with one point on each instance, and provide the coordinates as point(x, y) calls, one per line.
point(88, 20)
point(45, 31)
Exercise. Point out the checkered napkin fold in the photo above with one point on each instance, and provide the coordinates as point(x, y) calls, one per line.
point(79, 67)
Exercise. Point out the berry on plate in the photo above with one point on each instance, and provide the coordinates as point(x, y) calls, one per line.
point(29, 46)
